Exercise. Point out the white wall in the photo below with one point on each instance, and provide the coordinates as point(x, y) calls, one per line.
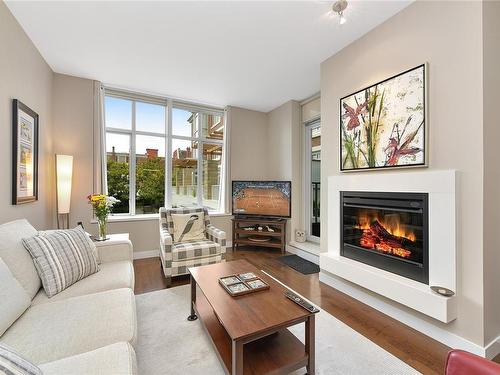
point(447, 35)
point(24, 75)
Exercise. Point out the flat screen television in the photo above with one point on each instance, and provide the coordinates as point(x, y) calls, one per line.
point(262, 198)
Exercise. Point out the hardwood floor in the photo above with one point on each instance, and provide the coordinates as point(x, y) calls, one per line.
point(417, 350)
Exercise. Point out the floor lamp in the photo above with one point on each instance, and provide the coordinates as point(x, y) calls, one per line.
point(64, 175)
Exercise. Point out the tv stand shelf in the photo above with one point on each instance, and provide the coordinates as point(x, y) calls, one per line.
point(241, 236)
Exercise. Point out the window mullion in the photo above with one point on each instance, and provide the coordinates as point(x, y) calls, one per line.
point(200, 171)
point(132, 179)
point(168, 158)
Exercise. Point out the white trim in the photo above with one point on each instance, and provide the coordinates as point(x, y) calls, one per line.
point(307, 180)
point(303, 254)
point(493, 348)
point(168, 155)
point(401, 314)
point(132, 166)
point(311, 247)
point(148, 217)
point(146, 254)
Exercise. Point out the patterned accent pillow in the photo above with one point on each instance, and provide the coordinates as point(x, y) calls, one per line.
point(188, 227)
point(12, 363)
point(62, 258)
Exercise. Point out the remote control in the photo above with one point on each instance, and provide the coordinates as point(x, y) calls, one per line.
point(301, 302)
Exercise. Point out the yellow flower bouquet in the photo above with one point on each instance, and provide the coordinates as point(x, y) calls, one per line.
point(102, 206)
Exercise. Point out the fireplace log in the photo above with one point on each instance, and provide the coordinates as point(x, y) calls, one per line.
point(382, 233)
point(377, 237)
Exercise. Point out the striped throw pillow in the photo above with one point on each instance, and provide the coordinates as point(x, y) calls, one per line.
point(62, 258)
point(12, 363)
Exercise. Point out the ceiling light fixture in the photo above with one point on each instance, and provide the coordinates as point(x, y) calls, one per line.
point(338, 7)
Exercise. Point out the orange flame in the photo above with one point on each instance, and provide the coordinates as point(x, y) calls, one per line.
point(390, 222)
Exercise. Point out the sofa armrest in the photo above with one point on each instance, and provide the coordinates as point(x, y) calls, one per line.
point(114, 251)
point(216, 235)
point(460, 362)
point(166, 240)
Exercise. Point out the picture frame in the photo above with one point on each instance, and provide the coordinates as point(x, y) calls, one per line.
point(385, 125)
point(243, 283)
point(25, 127)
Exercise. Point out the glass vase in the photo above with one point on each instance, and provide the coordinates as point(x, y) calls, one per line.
point(101, 225)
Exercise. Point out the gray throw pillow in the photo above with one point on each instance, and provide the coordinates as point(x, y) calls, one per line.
point(62, 258)
point(13, 363)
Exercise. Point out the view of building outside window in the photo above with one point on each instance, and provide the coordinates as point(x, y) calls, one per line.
point(146, 133)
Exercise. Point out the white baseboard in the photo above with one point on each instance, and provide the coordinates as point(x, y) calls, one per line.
point(493, 348)
point(146, 254)
point(437, 333)
point(303, 254)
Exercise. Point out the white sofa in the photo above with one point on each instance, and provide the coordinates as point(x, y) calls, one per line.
point(89, 328)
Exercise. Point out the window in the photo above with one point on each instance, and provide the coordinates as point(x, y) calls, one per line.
point(313, 179)
point(160, 153)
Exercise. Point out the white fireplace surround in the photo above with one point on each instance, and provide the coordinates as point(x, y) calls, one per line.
point(441, 188)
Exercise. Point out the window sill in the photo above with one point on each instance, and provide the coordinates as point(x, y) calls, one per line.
point(146, 217)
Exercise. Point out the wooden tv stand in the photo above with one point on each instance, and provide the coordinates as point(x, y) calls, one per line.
point(240, 235)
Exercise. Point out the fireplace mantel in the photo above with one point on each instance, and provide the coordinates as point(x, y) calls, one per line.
point(441, 189)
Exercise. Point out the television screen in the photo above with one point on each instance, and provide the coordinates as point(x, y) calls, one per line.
point(262, 198)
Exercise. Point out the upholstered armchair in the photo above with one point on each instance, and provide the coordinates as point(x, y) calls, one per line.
point(176, 258)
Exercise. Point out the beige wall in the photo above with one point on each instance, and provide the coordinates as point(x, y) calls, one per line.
point(491, 81)
point(27, 77)
point(73, 118)
point(284, 144)
point(248, 144)
point(447, 35)
point(311, 109)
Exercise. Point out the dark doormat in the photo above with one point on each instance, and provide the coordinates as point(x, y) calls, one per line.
point(299, 264)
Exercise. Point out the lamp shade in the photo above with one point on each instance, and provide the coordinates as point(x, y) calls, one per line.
point(64, 175)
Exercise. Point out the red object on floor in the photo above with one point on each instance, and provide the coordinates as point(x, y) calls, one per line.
point(460, 362)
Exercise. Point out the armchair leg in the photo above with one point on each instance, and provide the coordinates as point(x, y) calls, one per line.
point(169, 281)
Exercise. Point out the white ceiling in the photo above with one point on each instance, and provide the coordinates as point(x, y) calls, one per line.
point(252, 54)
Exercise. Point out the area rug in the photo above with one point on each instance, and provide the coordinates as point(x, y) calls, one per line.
point(169, 344)
point(299, 264)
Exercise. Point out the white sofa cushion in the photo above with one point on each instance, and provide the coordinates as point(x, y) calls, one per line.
point(17, 257)
point(51, 331)
point(13, 298)
point(115, 359)
point(11, 363)
point(114, 275)
point(62, 258)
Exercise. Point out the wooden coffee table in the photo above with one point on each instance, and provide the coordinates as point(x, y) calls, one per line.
point(250, 332)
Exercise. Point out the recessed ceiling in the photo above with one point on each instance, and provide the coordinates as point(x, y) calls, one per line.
point(252, 54)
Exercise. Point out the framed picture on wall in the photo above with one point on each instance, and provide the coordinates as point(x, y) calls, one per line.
point(24, 154)
point(384, 125)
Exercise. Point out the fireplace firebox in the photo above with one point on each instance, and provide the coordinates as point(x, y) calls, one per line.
point(387, 230)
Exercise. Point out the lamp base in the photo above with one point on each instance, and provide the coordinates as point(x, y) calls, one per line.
point(63, 221)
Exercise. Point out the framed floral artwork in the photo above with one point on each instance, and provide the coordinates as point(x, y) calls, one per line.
point(24, 154)
point(384, 125)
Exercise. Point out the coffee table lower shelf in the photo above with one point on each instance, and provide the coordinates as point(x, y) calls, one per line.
point(278, 353)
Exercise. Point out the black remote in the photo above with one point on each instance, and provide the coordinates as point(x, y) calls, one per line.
point(301, 302)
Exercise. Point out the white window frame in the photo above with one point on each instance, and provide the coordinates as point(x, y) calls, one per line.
point(308, 209)
point(168, 136)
